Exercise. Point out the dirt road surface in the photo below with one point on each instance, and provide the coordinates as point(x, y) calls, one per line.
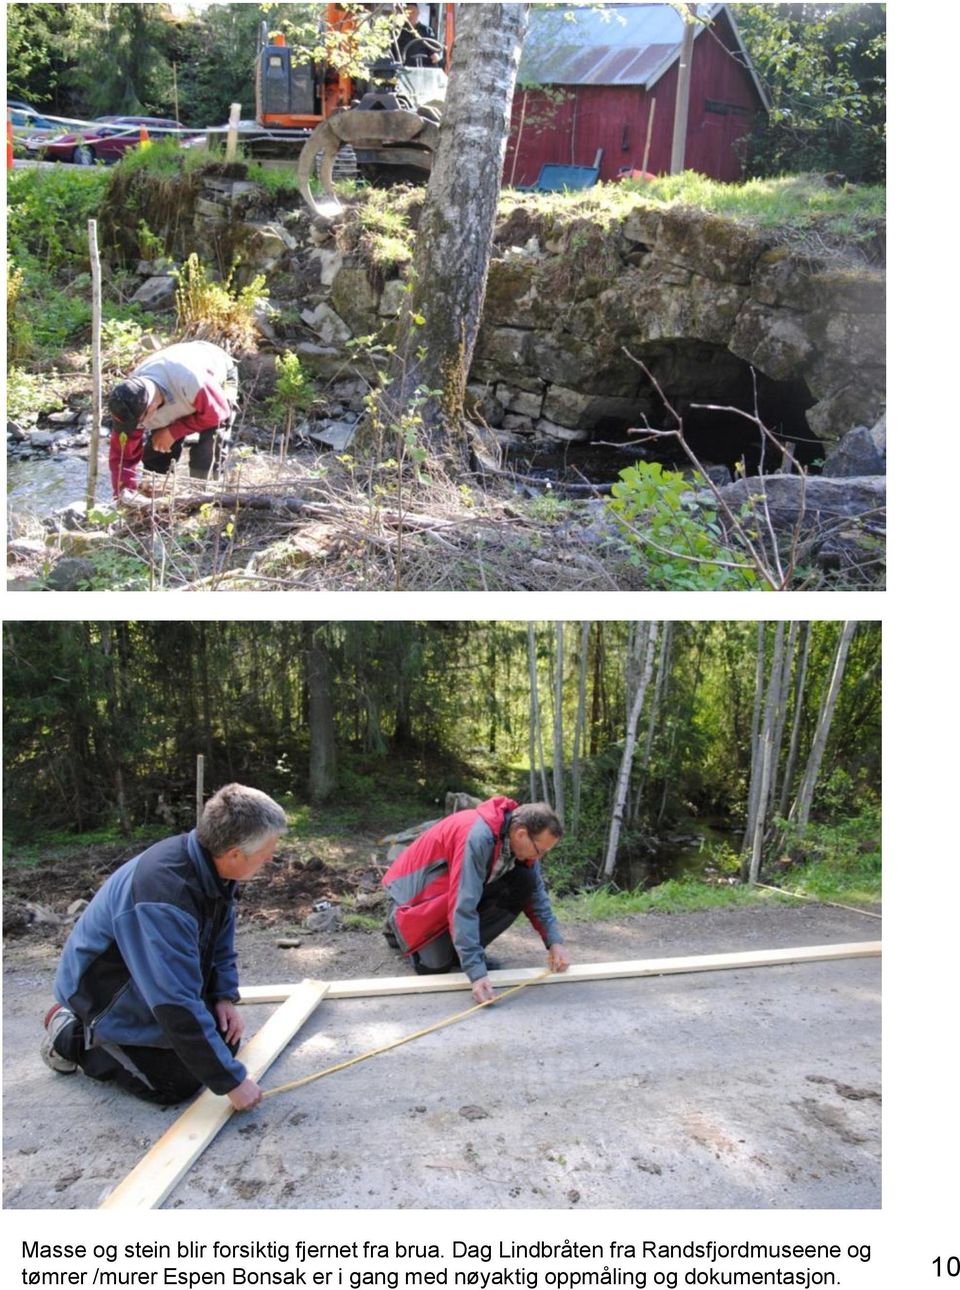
point(754, 1088)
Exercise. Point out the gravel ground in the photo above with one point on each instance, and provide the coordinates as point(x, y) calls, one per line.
point(754, 1088)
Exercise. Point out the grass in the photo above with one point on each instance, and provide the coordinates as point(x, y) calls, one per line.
point(795, 205)
point(678, 896)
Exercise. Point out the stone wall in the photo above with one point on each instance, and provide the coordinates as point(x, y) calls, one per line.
point(573, 308)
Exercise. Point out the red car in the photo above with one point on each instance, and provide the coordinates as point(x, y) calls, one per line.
point(106, 140)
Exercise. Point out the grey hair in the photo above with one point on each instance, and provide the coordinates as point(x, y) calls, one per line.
point(537, 816)
point(237, 816)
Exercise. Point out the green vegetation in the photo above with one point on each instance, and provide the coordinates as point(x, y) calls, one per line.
point(797, 207)
point(838, 861)
point(217, 311)
point(825, 70)
point(679, 543)
point(677, 896)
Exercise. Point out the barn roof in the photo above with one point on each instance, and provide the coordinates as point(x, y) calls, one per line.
point(613, 44)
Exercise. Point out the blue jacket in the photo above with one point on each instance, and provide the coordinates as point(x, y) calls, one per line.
point(151, 954)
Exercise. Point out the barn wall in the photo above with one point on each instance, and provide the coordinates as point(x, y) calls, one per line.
point(614, 118)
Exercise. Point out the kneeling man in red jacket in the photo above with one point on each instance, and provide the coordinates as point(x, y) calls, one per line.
point(465, 880)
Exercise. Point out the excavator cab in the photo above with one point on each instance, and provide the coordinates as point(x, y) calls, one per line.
point(390, 119)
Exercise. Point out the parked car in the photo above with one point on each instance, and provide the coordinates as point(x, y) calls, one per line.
point(107, 139)
point(31, 126)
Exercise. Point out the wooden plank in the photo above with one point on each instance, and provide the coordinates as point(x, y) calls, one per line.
point(151, 1181)
point(399, 985)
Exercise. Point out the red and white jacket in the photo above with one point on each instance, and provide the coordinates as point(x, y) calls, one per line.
point(191, 375)
point(437, 883)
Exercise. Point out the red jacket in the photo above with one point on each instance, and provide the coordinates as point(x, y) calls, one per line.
point(436, 884)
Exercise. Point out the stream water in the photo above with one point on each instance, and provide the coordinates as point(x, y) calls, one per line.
point(39, 486)
point(685, 852)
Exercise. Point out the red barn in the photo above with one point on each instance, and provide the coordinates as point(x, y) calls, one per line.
point(593, 81)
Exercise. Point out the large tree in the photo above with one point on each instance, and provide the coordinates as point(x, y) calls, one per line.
point(438, 331)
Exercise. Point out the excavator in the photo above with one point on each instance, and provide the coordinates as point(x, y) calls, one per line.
point(390, 120)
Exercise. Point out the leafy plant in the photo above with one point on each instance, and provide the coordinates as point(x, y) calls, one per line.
point(294, 393)
point(28, 393)
point(216, 311)
point(679, 542)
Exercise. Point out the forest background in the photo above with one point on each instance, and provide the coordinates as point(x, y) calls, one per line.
point(685, 758)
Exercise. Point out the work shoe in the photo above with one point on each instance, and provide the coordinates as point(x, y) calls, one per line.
point(56, 1020)
point(390, 936)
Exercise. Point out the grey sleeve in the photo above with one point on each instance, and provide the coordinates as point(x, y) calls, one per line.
point(540, 911)
point(465, 895)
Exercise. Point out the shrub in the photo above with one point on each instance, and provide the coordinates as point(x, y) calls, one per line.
point(678, 541)
point(216, 311)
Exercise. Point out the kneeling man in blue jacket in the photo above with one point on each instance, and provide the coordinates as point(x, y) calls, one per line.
point(147, 985)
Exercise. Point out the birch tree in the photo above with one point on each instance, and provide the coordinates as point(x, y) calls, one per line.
point(646, 648)
point(755, 736)
point(536, 733)
point(437, 334)
point(762, 772)
point(800, 811)
point(558, 796)
point(323, 747)
point(659, 692)
point(798, 692)
point(579, 723)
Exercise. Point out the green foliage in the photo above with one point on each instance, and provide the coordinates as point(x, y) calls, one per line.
point(825, 69)
point(678, 896)
point(216, 311)
point(27, 392)
point(19, 331)
point(121, 340)
point(679, 541)
point(835, 861)
point(548, 508)
point(386, 239)
point(294, 389)
point(47, 214)
point(116, 571)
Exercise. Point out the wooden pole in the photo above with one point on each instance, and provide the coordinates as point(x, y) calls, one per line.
point(94, 452)
point(682, 109)
point(232, 132)
point(646, 146)
point(199, 786)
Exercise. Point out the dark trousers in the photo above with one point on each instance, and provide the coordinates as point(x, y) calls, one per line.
point(151, 1074)
point(201, 455)
point(502, 901)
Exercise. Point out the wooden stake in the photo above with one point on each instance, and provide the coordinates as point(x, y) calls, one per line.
point(154, 1178)
point(646, 146)
point(94, 452)
point(232, 132)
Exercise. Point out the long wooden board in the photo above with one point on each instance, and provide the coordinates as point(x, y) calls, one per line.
point(151, 1181)
point(400, 985)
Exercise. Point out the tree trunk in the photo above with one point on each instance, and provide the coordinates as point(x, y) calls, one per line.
point(790, 771)
point(663, 663)
point(437, 334)
point(800, 811)
point(536, 734)
point(764, 769)
point(578, 727)
point(755, 741)
point(323, 747)
point(646, 648)
point(559, 803)
point(781, 718)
